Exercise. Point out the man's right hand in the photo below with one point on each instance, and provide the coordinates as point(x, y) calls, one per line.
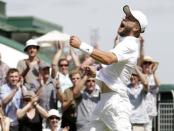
point(75, 41)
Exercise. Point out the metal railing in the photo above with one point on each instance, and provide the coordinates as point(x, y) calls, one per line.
point(166, 115)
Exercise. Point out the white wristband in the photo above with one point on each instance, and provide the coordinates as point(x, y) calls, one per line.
point(86, 48)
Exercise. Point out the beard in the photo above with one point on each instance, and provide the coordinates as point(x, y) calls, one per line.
point(125, 31)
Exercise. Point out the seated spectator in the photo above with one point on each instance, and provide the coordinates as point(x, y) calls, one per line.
point(4, 121)
point(31, 114)
point(54, 119)
point(11, 94)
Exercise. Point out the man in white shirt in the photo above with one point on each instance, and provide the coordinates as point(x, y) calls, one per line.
point(113, 110)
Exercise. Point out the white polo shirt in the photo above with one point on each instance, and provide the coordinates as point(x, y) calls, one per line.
point(117, 75)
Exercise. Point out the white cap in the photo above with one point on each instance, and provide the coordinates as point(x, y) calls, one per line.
point(53, 112)
point(138, 15)
point(31, 42)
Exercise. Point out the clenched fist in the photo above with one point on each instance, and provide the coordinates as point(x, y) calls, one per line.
point(75, 41)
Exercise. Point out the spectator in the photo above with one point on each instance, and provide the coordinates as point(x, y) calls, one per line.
point(149, 67)
point(89, 97)
point(3, 71)
point(31, 114)
point(69, 103)
point(137, 91)
point(63, 73)
point(4, 121)
point(46, 89)
point(11, 94)
point(54, 119)
point(29, 68)
point(70, 98)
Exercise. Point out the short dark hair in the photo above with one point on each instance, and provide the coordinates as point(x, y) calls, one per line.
point(12, 70)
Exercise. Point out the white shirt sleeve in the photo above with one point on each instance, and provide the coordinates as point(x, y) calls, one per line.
point(123, 51)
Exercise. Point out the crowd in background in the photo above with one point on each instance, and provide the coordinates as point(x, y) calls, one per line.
point(62, 95)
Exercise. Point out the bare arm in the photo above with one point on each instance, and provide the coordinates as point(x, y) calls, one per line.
point(21, 112)
point(41, 110)
point(9, 97)
point(66, 104)
point(157, 81)
point(154, 68)
point(60, 95)
point(87, 62)
point(77, 89)
point(142, 78)
point(99, 55)
point(55, 60)
point(75, 57)
point(88, 72)
point(104, 57)
point(59, 92)
point(5, 123)
point(140, 59)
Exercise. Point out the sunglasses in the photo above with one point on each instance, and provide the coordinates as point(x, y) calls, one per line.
point(54, 117)
point(90, 81)
point(61, 65)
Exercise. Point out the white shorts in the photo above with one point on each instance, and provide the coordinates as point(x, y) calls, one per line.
point(112, 112)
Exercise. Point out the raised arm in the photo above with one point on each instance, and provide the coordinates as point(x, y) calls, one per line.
point(66, 104)
point(39, 108)
point(87, 62)
point(140, 59)
point(21, 112)
point(59, 92)
point(88, 71)
point(99, 55)
point(55, 60)
point(154, 68)
point(10, 96)
point(4, 123)
point(75, 58)
point(143, 78)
